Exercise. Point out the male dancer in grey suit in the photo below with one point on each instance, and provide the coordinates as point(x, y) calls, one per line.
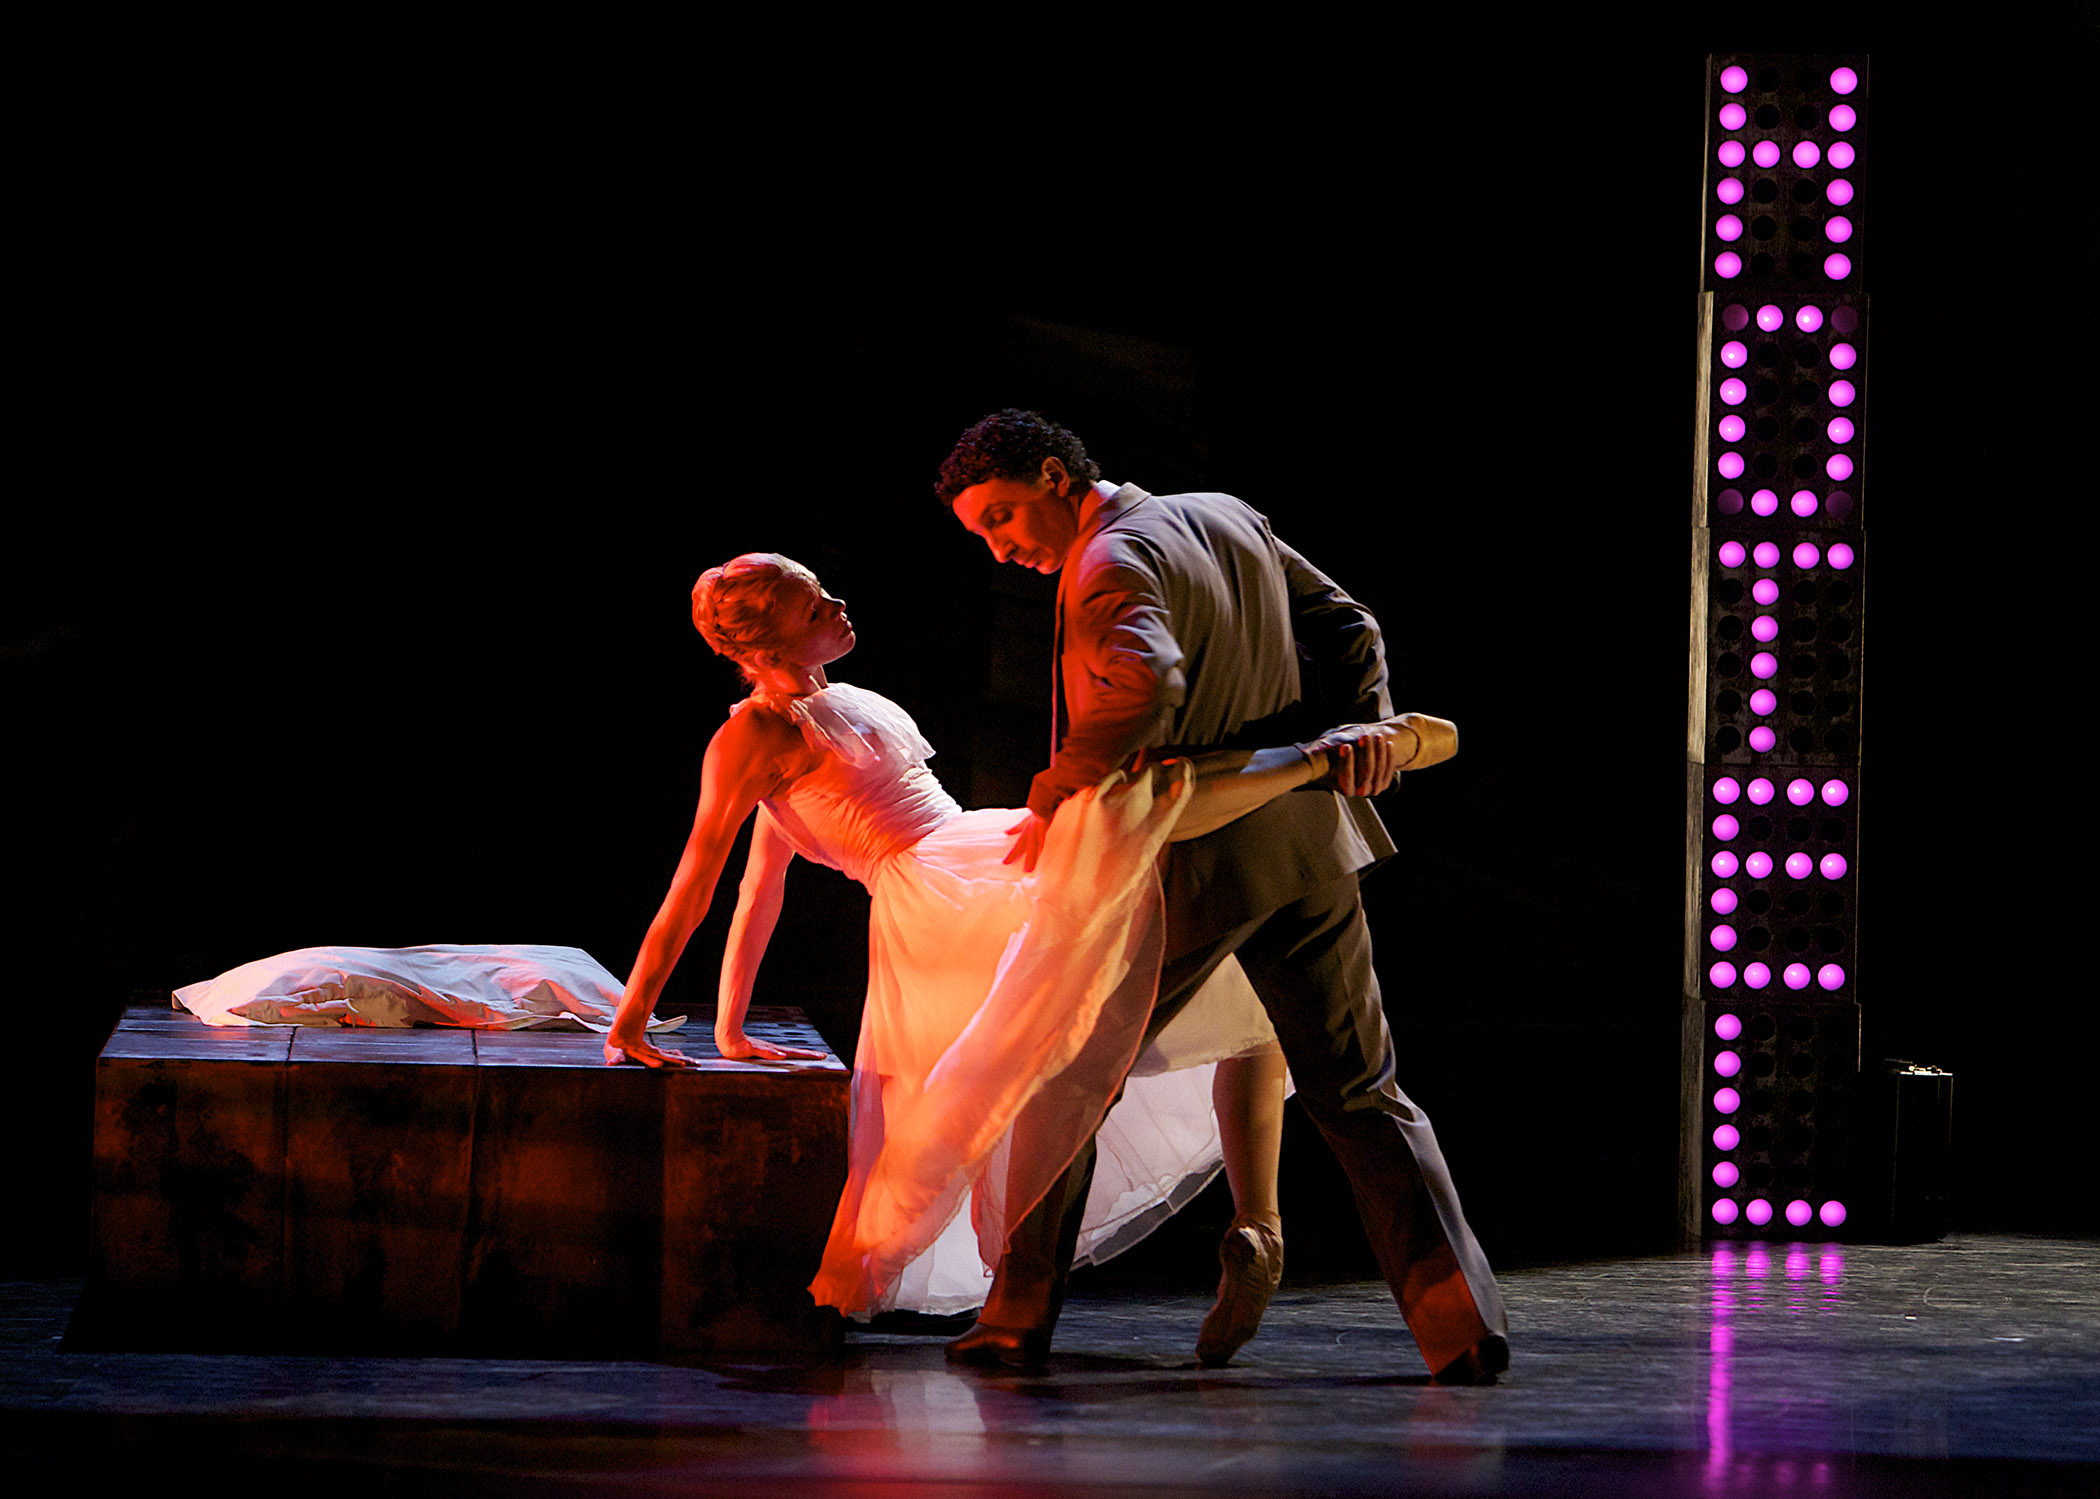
point(1181, 622)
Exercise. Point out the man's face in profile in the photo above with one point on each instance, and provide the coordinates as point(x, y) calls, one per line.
point(1024, 521)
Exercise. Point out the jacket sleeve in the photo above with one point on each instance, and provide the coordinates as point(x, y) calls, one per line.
point(1341, 654)
point(1123, 671)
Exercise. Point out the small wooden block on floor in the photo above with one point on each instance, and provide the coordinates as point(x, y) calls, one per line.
point(453, 1191)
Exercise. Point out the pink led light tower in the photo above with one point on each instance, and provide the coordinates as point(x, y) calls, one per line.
point(1771, 1031)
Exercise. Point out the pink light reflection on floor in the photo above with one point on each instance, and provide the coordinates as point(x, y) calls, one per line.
point(1815, 1276)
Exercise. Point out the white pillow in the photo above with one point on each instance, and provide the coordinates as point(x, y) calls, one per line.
point(484, 987)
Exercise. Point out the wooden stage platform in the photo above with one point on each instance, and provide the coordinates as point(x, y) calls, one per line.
point(453, 1191)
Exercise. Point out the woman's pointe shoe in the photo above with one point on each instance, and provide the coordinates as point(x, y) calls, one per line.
point(1252, 1255)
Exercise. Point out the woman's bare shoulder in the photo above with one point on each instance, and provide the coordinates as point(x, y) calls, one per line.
point(759, 732)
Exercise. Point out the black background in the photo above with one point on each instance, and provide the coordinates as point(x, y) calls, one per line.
point(389, 393)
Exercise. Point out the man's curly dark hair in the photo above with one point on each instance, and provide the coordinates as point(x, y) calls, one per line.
point(1011, 444)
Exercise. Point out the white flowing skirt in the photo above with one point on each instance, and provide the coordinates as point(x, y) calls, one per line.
point(991, 992)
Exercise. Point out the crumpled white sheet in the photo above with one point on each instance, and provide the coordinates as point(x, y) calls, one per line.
point(481, 987)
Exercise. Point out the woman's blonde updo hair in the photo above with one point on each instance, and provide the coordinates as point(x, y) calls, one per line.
point(735, 605)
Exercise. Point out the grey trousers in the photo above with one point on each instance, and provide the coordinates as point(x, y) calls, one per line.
point(1311, 964)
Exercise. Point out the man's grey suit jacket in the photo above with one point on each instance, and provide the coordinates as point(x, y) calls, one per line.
point(1183, 623)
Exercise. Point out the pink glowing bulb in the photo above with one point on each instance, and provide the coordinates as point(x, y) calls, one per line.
point(1758, 865)
point(1837, 267)
point(1728, 1064)
point(1762, 739)
point(1770, 318)
point(1734, 355)
point(1839, 467)
point(1798, 1213)
point(1799, 792)
point(1804, 502)
point(1722, 974)
point(1723, 939)
point(1806, 555)
point(1808, 318)
point(1757, 975)
point(1726, 827)
point(1764, 502)
point(1765, 154)
point(1725, 864)
point(1767, 554)
point(1842, 156)
point(1733, 115)
point(1731, 154)
point(1729, 227)
point(1843, 117)
point(1735, 79)
point(1765, 628)
point(1843, 81)
point(1765, 591)
point(1760, 791)
point(1725, 1211)
point(1733, 391)
point(1835, 793)
point(1729, 190)
point(1839, 192)
point(1833, 1214)
point(1759, 1212)
point(1842, 393)
point(1727, 1137)
point(1799, 866)
point(1841, 556)
point(1727, 1100)
point(1796, 975)
point(1764, 666)
point(1726, 790)
point(1732, 428)
point(1833, 866)
point(1839, 229)
point(1731, 554)
point(1843, 356)
point(1764, 702)
point(1728, 265)
point(1728, 1027)
point(1807, 154)
point(1730, 465)
point(1831, 977)
point(1726, 1174)
point(1841, 429)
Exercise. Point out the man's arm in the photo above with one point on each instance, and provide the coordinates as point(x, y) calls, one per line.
point(1123, 670)
point(1341, 653)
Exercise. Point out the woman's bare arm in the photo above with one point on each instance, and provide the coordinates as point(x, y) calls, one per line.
point(750, 757)
point(758, 903)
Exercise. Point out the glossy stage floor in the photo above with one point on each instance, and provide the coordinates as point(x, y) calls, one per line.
point(1966, 1367)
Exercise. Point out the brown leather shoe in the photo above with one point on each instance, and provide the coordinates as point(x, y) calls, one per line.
point(1252, 1256)
point(1001, 1347)
point(1478, 1364)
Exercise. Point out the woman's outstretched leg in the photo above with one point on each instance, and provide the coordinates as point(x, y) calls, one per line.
point(1247, 1096)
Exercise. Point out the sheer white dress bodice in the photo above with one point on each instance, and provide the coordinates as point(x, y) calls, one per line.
point(871, 794)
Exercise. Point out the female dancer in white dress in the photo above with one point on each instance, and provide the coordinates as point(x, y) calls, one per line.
point(989, 990)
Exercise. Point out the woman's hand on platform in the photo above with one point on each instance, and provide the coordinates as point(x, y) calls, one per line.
point(735, 1046)
point(619, 1048)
